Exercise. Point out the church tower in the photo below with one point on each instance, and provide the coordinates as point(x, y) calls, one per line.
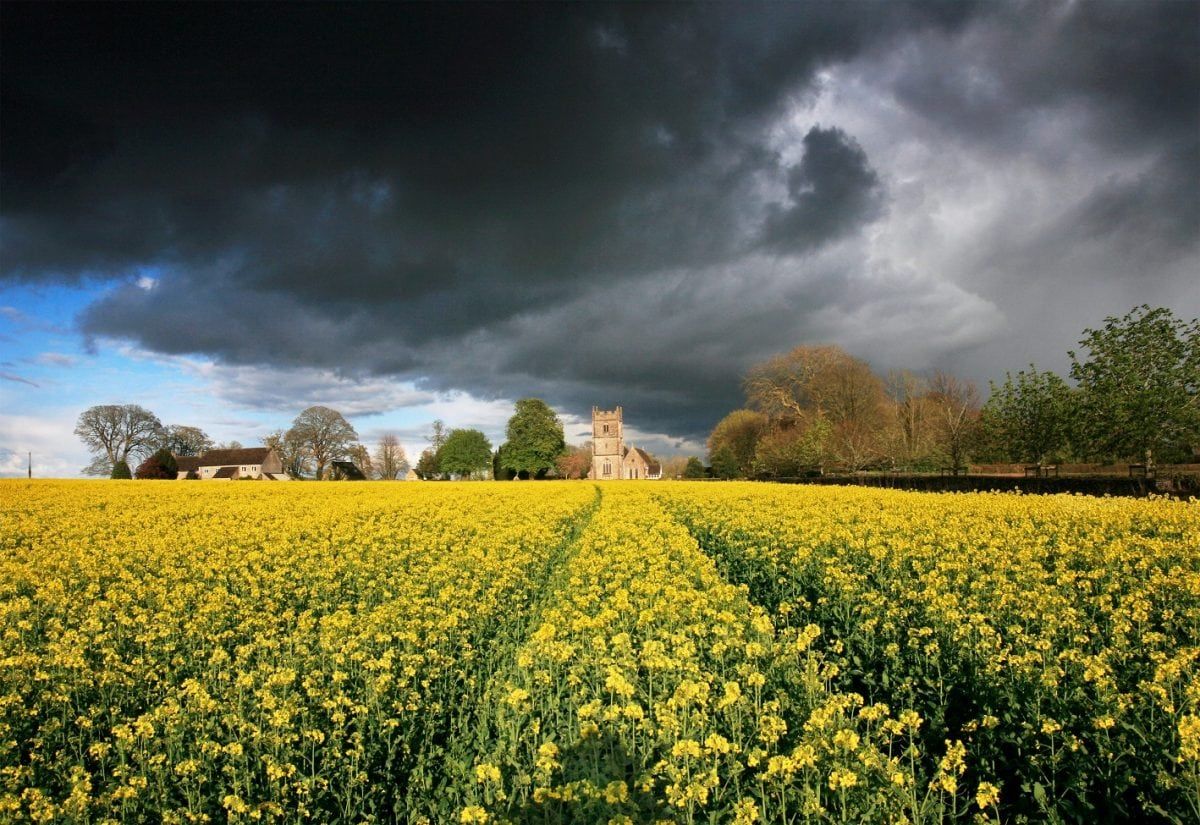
point(607, 443)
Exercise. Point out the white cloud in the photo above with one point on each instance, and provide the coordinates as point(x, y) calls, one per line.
point(56, 451)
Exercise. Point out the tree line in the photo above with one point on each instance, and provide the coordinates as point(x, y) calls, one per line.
point(1134, 397)
point(121, 434)
point(534, 447)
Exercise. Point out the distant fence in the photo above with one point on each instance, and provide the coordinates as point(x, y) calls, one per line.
point(1181, 485)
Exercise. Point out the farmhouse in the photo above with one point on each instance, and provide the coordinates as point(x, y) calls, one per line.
point(611, 457)
point(226, 465)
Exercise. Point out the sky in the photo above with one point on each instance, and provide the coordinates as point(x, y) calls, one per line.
point(226, 213)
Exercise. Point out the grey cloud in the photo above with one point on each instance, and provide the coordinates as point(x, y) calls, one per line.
point(590, 203)
point(833, 191)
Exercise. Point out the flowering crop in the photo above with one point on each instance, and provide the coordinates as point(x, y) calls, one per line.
point(196, 652)
point(566, 652)
point(1056, 636)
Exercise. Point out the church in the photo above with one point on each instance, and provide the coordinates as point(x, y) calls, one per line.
point(611, 457)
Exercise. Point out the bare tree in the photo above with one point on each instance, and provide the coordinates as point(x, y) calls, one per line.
point(390, 459)
point(325, 435)
point(909, 437)
point(955, 408)
point(361, 457)
point(183, 440)
point(674, 466)
point(115, 431)
point(437, 436)
point(292, 453)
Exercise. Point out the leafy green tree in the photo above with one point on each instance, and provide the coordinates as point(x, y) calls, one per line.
point(535, 438)
point(734, 441)
point(465, 453)
point(694, 468)
point(160, 465)
point(121, 470)
point(1028, 417)
point(725, 463)
point(1139, 385)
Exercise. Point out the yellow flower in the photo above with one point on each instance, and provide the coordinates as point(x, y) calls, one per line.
point(987, 795)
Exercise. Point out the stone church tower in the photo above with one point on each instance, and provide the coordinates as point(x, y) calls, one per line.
point(608, 446)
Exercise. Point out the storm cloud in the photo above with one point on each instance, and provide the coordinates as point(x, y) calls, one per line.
point(602, 204)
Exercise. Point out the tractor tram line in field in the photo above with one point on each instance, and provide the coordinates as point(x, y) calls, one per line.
point(614, 653)
point(1052, 639)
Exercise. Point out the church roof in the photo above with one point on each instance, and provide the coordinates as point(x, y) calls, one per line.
point(651, 465)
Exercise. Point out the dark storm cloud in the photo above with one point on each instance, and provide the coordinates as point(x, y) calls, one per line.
point(575, 201)
point(833, 191)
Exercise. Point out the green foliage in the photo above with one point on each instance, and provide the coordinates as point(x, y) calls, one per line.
point(465, 453)
point(694, 468)
point(734, 441)
point(121, 470)
point(1028, 418)
point(535, 438)
point(792, 451)
point(1140, 384)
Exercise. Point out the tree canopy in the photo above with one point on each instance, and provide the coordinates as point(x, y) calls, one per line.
point(535, 438)
point(465, 453)
point(160, 465)
point(324, 435)
point(183, 440)
point(733, 442)
point(113, 432)
point(1139, 383)
point(1028, 417)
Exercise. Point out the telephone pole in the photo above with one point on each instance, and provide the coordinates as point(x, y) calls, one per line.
point(31, 464)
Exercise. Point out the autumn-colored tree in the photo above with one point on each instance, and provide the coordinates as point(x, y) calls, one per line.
point(812, 383)
point(576, 462)
point(361, 456)
point(292, 452)
point(792, 450)
point(160, 465)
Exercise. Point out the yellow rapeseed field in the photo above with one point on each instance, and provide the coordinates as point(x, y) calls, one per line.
point(579, 652)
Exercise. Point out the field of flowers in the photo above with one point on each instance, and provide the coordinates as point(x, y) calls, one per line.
point(573, 652)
